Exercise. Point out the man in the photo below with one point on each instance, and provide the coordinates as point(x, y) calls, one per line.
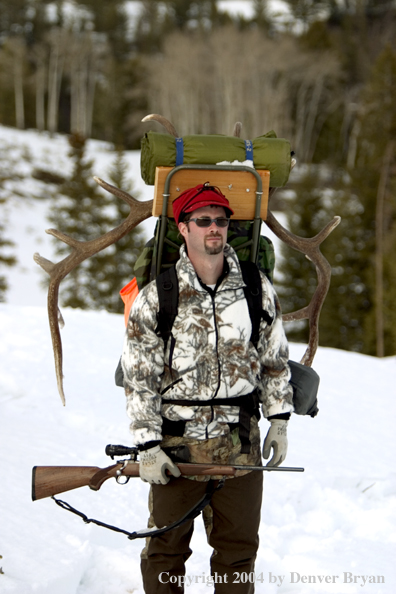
point(198, 393)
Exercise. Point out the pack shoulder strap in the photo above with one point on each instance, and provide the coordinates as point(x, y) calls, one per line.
point(254, 297)
point(168, 299)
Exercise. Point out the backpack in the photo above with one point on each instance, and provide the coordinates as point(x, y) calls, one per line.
point(304, 380)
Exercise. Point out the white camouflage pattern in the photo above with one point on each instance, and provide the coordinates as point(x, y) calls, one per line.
point(213, 356)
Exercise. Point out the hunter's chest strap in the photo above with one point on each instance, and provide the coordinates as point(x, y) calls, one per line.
point(248, 407)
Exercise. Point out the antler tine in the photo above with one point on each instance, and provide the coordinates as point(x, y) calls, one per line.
point(237, 129)
point(311, 248)
point(169, 127)
point(81, 251)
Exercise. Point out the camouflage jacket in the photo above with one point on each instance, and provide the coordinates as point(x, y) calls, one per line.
point(212, 356)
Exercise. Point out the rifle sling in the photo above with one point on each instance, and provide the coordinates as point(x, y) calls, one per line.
point(150, 532)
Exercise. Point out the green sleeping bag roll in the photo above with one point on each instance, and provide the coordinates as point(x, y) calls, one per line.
point(269, 152)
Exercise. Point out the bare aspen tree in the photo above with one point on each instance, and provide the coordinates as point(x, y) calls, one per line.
point(258, 73)
point(87, 50)
point(39, 55)
point(77, 70)
point(17, 48)
point(213, 81)
point(58, 41)
point(206, 83)
point(181, 83)
point(228, 81)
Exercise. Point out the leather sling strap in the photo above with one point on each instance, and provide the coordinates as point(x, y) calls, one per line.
point(149, 532)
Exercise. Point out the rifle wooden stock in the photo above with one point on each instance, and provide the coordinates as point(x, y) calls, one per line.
point(51, 480)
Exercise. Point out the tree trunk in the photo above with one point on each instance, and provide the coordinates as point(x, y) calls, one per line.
point(55, 72)
point(84, 66)
point(379, 249)
point(18, 50)
point(40, 79)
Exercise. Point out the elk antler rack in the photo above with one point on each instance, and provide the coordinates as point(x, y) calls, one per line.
point(141, 211)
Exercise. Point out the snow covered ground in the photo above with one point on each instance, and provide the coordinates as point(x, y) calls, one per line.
point(320, 529)
point(335, 519)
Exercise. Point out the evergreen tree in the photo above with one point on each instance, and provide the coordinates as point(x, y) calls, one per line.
point(349, 301)
point(359, 312)
point(110, 18)
point(295, 274)
point(13, 16)
point(5, 259)
point(159, 19)
point(150, 28)
point(318, 198)
point(261, 15)
point(86, 212)
point(190, 14)
point(82, 213)
point(304, 11)
point(374, 180)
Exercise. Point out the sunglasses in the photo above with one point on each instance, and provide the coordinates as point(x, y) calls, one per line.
point(206, 221)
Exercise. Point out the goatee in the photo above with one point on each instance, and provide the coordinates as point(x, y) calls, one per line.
point(212, 250)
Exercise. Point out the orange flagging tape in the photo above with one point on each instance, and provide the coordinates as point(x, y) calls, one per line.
point(128, 295)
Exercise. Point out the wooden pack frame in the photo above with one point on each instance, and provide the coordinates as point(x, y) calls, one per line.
point(246, 189)
point(239, 185)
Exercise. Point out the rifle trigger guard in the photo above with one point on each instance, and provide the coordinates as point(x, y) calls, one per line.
point(119, 474)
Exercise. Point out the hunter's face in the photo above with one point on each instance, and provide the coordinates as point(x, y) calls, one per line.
point(204, 240)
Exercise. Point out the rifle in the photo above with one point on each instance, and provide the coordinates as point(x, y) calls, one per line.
point(48, 481)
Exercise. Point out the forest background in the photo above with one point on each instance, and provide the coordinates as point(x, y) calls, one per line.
point(322, 74)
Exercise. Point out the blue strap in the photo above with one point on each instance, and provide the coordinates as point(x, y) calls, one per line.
point(179, 151)
point(249, 150)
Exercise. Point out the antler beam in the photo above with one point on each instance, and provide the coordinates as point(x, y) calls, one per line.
point(81, 251)
point(311, 248)
point(169, 127)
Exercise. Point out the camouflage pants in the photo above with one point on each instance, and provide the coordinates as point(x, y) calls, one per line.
point(233, 536)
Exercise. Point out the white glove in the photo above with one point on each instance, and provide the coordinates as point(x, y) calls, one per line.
point(276, 438)
point(153, 466)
